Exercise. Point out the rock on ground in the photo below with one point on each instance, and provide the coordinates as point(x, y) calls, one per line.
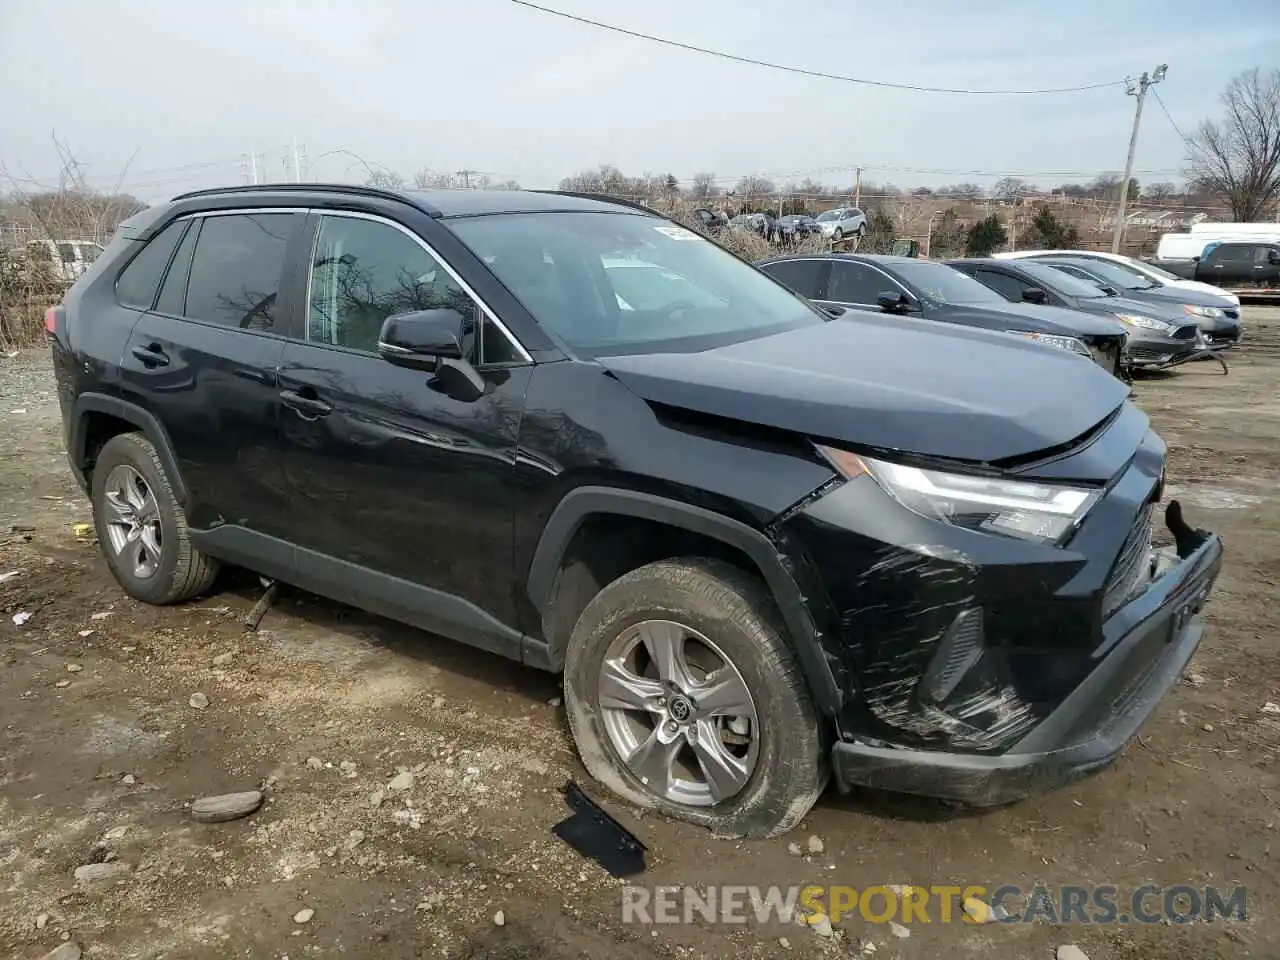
point(93, 872)
point(64, 951)
point(228, 806)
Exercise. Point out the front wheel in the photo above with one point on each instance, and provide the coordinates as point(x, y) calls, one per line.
point(837, 236)
point(683, 696)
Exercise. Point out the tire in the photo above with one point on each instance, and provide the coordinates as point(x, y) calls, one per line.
point(861, 231)
point(837, 235)
point(787, 759)
point(177, 570)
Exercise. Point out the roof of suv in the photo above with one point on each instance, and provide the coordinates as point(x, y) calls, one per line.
point(442, 203)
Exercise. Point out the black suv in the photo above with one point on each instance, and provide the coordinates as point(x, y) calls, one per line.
point(760, 544)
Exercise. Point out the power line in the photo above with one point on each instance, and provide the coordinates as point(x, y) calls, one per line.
point(919, 88)
point(1173, 123)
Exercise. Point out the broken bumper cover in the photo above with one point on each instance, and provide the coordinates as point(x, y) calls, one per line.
point(1161, 628)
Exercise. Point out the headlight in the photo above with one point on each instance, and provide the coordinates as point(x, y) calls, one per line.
point(1196, 310)
point(1053, 340)
point(1041, 512)
point(1146, 323)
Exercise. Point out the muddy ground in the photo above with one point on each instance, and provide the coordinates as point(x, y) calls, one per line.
point(102, 753)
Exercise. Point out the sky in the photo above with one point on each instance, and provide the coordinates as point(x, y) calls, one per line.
point(162, 96)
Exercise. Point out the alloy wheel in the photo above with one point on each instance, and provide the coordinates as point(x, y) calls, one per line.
point(678, 713)
point(133, 521)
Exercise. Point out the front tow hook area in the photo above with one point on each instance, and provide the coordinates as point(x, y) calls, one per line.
point(1187, 538)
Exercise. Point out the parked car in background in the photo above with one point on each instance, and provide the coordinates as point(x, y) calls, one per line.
point(712, 221)
point(1236, 263)
point(1151, 272)
point(1159, 335)
point(760, 545)
point(1205, 236)
point(842, 222)
point(933, 291)
point(1218, 319)
point(796, 227)
point(760, 223)
point(62, 261)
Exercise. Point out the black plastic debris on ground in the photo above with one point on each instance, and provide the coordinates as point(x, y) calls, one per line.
point(599, 837)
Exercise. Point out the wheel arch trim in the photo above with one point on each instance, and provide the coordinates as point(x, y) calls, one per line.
point(584, 502)
point(141, 418)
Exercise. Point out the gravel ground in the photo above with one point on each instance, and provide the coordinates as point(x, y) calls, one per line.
point(118, 716)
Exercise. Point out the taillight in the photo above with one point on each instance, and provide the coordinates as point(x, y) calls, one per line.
point(51, 320)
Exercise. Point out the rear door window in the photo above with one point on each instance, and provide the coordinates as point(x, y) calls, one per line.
point(136, 286)
point(236, 270)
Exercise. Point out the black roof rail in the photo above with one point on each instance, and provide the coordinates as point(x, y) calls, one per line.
point(307, 188)
point(602, 197)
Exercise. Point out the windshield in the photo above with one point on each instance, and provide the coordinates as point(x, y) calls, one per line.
point(1060, 280)
point(1151, 270)
point(609, 283)
point(1113, 274)
point(829, 215)
point(942, 284)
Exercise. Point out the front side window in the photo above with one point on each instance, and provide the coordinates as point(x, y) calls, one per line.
point(136, 285)
point(235, 274)
point(853, 282)
point(610, 283)
point(943, 284)
point(1061, 281)
point(363, 271)
point(1008, 287)
point(1116, 275)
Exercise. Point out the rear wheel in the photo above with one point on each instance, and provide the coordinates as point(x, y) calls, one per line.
point(684, 697)
point(142, 529)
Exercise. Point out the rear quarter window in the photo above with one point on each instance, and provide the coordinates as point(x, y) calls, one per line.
point(137, 284)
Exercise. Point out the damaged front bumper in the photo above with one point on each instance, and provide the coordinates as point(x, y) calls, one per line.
point(1146, 645)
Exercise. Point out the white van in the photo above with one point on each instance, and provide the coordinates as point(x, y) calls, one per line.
point(1250, 230)
point(67, 259)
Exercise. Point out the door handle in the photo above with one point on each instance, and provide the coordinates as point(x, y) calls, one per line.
point(309, 408)
point(151, 355)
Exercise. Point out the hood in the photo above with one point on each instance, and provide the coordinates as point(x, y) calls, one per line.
point(1039, 318)
point(1161, 309)
point(1209, 288)
point(1180, 295)
point(916, 386)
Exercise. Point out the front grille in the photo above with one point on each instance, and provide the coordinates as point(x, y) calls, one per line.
point(1131, 569)
point(1150, 351)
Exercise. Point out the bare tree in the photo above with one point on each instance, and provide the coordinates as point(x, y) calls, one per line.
point(385, 180)
point(754, 186)
point(704, 186)
point(508, 185)
point(1161, 192)
point(962, 191)
point(1239, 159)
point(1009, 189)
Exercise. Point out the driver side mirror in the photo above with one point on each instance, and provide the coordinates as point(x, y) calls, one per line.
point(421, 339)
point(893, 301)
point(1034, 295)
point(1109, 291)
point(431, 340)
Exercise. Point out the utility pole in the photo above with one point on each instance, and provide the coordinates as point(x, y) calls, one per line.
point(1138, 90)
point(857, 187)
point(253, 164)
point(297, 167)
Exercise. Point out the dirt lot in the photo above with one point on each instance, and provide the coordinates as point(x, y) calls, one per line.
point(102, 753)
